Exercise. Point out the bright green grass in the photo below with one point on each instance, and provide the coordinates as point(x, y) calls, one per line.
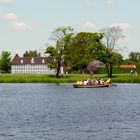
point(68, 78)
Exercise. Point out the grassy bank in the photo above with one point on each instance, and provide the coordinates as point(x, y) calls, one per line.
point(68, 78)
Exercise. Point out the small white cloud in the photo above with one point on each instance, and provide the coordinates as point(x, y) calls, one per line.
point(88, 25)
point(9, 16)
point(88, 2)
point(109, 2)
point(6, 1)
point(123, 26)
point(21, 26)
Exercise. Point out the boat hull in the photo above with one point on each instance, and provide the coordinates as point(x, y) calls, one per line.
point(90, 86)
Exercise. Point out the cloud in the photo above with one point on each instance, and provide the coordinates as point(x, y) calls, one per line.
point(21, 26)
point(6, 1)
point(123, 26)
point(88, 2)
point(9, 16)
point(15, 25)
point(88, 25)
point(109, 2)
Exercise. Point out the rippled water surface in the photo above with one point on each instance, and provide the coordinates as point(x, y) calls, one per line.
point(61, 112)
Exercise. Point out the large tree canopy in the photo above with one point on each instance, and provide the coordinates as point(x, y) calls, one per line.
point(78, 49)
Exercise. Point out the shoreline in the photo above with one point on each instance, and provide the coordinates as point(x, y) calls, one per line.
point(66, 78)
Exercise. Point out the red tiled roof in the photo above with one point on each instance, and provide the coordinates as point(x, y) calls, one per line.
point(127, 66)
point(28, 60)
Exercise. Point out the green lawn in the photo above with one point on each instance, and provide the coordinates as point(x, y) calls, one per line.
point(68, 78)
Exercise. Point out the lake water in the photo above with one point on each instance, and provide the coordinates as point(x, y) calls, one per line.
point(61, 112)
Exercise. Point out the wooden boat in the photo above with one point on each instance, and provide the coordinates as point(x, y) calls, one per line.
point(75, 85)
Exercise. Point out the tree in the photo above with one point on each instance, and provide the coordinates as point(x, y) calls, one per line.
point(61, 36)
point(53, 55)
point(109, 58)
point(134, 56)
point(79, 54)
point(5, 61)
point(31, 54)
point(109, 55)
point(94, 66)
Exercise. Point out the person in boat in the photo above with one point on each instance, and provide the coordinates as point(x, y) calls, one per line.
point(89, 81)
point(79, 82)
point(101, 82)
point(93, 82)
point(107, 82)
point(85, 82)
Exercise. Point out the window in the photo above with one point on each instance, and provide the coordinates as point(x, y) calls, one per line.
point(43, 61)
point(32, 60)
point(21, 61)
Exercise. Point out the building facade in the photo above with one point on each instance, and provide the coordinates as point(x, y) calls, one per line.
point(30, 65)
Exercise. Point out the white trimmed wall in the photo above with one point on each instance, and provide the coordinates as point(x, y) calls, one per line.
point(31, 69)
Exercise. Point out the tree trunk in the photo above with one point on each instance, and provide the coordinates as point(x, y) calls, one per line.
point(58, 68)
point(107, 69)
point(110, 71)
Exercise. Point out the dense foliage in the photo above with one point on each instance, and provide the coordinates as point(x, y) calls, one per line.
point(79, 47)
point(5, 61)
point(31, 54)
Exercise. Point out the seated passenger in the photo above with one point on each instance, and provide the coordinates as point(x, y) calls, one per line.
point(85, 82)
point(108, 81)
point(88, 82)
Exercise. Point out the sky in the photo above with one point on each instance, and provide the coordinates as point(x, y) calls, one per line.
point(27, 24)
